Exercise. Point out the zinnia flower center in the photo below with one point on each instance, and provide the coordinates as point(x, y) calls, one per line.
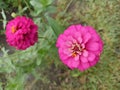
point(76, 49)
point(13, 29)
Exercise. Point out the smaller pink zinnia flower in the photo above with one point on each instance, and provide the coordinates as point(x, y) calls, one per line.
point(21, 32)
point(79, 47)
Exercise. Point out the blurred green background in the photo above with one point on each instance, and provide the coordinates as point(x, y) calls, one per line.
point(39, 67)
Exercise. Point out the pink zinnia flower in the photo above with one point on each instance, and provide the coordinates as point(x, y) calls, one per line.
point(21, 32)
point(79, 47)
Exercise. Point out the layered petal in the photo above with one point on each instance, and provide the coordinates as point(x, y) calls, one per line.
point(79, 47)
point(92, 46)
point(21, 32)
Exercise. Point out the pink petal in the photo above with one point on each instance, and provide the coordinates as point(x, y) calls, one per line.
point(61, 40)
point(72, 63)
point(91, 29)
point(93, 32)
point(73, 40)
point(86, 37)
point(67, 52)
point(62, 55)
point(76, 58)
point(68, 43)
point(85, 65)
point(59, 43)
point(93, 63)
point(101, 45)
point(83, 45)
point(81, 29)
point(83, 59)
point(92, 46)
point(70, 30)
point(85, 53)
point(79, 39)
point(91, 57)
point(90, 42)
point(78, 27)
point(80, 67)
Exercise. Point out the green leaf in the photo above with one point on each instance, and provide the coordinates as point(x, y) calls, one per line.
point(46, 2)
point(36, 4)
point(3, 5)
point(46, 38)
point(16, 83)
point(5, 52)
point(6, 66)
point(4, 18)
point(51, 9)
point(75, 73)
point(23, 10)
point(38, 62)
point(56, 27)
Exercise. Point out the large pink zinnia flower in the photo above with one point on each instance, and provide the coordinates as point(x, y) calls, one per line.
point(21, 32)
point(79, 47)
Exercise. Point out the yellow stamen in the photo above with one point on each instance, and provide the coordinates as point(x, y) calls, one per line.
point(13, 29)
point(74, 54)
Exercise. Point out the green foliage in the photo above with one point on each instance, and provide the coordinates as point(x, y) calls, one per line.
point(55, 26)
point(22, 62)
point(17, 83)
point(42, 6)
point(2, 4)
point(4, 19)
